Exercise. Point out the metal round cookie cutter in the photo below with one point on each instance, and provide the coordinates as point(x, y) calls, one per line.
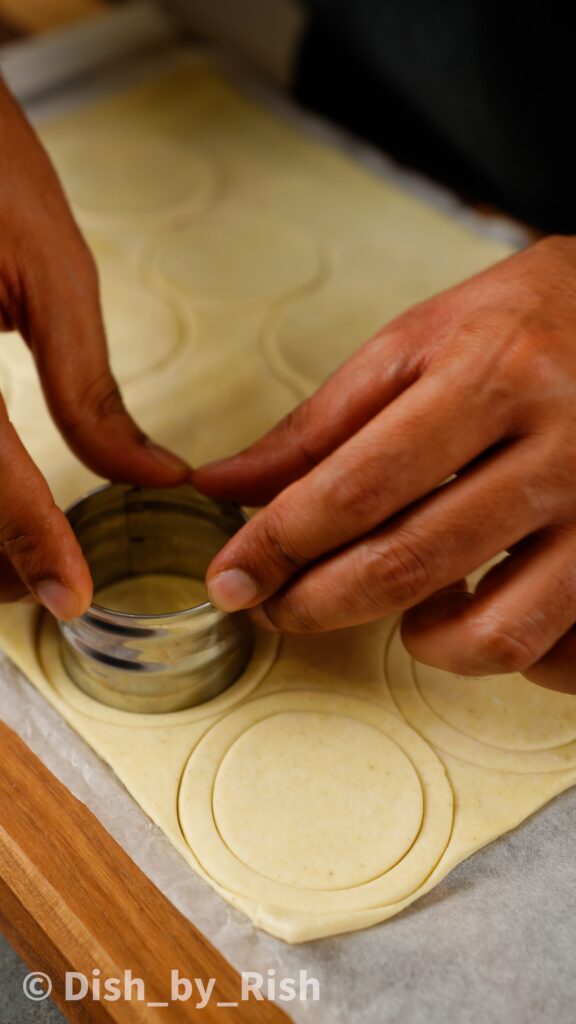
point(160, 662)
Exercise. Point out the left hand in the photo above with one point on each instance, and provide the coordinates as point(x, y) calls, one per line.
point(446, 440)
point(49, 293)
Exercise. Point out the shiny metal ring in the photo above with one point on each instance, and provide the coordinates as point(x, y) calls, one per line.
point(161, 662)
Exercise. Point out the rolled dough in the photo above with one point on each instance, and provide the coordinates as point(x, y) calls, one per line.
point(335, 781)
point(101, 167)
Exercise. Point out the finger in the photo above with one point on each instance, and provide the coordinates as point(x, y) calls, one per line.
point(66, 334)
point(401, 455)
point(375, 375)
point(557, 669)
point(35, 536)
point(11, 586)
point(442, 539)
point(518, 613)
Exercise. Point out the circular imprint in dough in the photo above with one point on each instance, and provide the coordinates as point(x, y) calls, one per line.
point(315, 802)
point(315, 334)
point(131, 315)
point(503, 722)
point(233, 257)
point(505, 711)
point(130, 179)
point(48, 647)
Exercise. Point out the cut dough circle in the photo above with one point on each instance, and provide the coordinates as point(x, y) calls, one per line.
point(300, 768)
point(230, 256)
point(131, 178)
point(265, 651)
point(504, 722)
point(340, 835)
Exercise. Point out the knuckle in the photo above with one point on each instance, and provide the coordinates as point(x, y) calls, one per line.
point(291, 613)
point(527, 359)
point(299, 431)
point(506, 647)
point(524, 351)
point(276, 543)
point(97, 401)
point(302, 431)
point(106, 401)
point(508, 344)
point(357, 498)
point(393, 574)
point(18, 539)
point(513, 353)
point(474, 328)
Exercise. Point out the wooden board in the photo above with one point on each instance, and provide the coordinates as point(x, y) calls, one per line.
point(72, 900)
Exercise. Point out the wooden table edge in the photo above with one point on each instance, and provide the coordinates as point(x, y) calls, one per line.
point(71, 899)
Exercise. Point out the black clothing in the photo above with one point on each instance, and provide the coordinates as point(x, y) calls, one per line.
point(479, 95)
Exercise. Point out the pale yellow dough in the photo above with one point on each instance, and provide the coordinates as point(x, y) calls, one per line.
point(152, 594)
point(335, 782)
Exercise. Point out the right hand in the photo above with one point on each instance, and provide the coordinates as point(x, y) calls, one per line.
point(49, 293)
point(446, 440)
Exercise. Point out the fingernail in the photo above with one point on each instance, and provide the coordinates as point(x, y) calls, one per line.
point(58, 599)
point(166, 457)
point(232, 590)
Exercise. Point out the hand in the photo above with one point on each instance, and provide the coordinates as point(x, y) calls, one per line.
point(49, 292)
point(447, 439)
